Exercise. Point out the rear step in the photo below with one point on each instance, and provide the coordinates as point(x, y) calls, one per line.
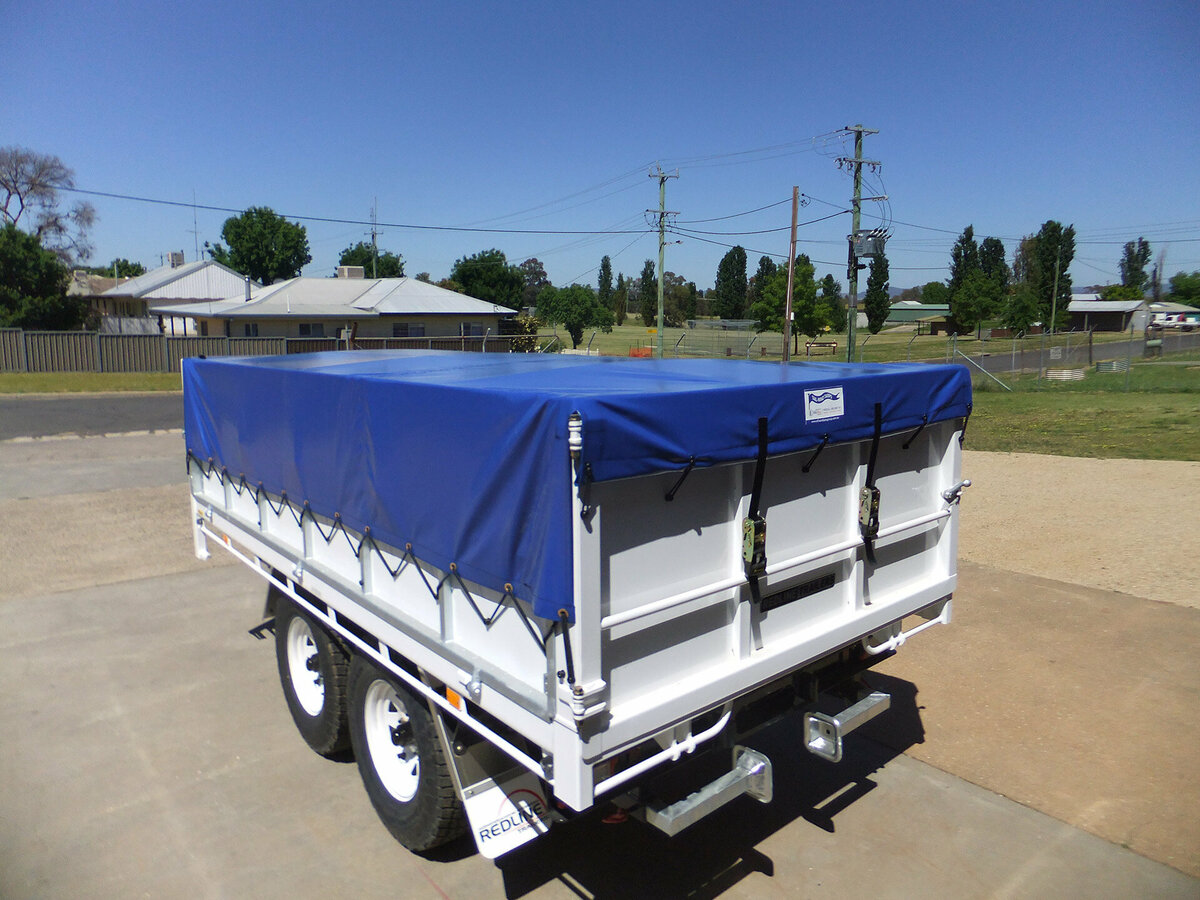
point(751, 774)
point(823, 733)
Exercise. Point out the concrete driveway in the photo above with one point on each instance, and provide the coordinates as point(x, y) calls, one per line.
point(148, 751)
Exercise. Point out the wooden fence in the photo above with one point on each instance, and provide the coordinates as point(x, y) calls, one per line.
point(89, 351)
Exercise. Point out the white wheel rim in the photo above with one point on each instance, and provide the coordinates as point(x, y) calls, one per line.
point(390, 741)
point(305, 675)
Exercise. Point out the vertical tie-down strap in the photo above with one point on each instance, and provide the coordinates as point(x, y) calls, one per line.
point(754, 526)
point(868, 504)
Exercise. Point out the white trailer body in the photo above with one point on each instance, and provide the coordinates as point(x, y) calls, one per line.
point(699, 593)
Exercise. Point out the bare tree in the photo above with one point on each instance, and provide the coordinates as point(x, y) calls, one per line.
point(30, 184)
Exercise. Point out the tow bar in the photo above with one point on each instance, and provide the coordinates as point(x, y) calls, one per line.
point(823, 733)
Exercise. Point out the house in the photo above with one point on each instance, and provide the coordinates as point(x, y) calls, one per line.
point(325, 307)
point(125, 308)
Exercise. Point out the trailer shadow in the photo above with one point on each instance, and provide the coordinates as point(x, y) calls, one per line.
point(593, 859)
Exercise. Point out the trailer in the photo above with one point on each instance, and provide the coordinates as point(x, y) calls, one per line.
point(518, 587)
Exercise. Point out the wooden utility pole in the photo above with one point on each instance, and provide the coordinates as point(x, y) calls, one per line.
point(374, 234)
point(787, 310)
point(662, 240)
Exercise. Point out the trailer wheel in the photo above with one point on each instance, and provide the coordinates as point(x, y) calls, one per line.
point(312, 670)
point(401, 761)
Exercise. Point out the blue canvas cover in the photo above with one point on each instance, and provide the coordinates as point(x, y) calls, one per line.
point(465, 455)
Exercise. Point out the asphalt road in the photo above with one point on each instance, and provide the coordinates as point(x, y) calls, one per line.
point(41, 415)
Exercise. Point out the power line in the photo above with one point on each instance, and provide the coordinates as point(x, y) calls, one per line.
point(765, 230)
point(735, 215)
point(338, 221)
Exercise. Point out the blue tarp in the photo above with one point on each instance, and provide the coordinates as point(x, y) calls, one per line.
point(465, 455)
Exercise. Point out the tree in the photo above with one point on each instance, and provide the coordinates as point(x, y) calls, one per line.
point(263, 245)
point(754, 289)
point(31, 183)
point(1021, 311)
point(620, 300)
point(877, 303)
point(1185, 288)
point(575, 308)
point(964, 258)
point(124, 269)
point(769, 309)
point(675, 300)
point(33, 285)
point(693, 301)
point(831, 299)
point(935, 293)
point(992, 263)
point(1054, 248)
point(376, 263)
point(1120, 292)
point(730, 287)
point(488, 276)
point(535, 277)
point(1134, 259)
point(647, 295)
point(605, 292)
point(977, 299)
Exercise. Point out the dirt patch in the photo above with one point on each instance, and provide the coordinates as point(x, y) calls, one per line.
point(1115, 524)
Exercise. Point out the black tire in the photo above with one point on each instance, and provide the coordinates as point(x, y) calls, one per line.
point(312, 669)
point(401, 761)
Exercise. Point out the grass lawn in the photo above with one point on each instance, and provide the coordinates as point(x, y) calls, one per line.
point(1158, 418)
point(890, 345)
point(79, 382)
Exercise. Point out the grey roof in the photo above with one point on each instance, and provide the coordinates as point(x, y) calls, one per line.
point(156, 279)
point(1105, 306)
point(1171, 306)
point(342, 298)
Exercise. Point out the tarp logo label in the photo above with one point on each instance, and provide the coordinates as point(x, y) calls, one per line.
point(824, 403)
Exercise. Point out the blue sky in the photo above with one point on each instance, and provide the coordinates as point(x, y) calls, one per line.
point(547, 116)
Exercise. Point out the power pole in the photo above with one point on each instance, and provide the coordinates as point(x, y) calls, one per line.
point(662, 240)
point(852, 264)
point(374, 234)
point(787, 308)
point(1054, 296)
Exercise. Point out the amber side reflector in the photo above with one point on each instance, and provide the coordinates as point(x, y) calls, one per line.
point(455, 700)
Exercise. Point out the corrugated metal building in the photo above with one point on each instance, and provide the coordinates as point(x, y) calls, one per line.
point(1106, 315)
point(198, 282)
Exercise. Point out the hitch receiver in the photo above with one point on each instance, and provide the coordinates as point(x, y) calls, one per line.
point(823, 733)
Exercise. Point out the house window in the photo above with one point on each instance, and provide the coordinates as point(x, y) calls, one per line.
point(203, 329)
point(251, 329)
point(312, 329)
point(470, 329)
point(407, 329)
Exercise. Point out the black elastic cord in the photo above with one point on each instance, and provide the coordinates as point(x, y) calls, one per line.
point(916, 434)
point(967, 418)
point(565, 620)
point(812, 459)
point(670, 495)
